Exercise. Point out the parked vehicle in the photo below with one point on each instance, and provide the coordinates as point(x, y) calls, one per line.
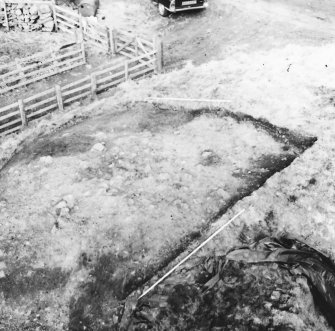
point(165, 7)
point(88, 7)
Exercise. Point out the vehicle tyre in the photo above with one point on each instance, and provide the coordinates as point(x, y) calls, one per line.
point(162, 10)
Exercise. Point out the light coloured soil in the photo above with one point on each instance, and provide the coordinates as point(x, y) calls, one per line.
point(161, 176)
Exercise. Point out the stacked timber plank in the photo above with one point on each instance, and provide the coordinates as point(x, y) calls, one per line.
point(30, 16)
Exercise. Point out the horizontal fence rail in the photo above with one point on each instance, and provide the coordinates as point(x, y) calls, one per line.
point(3, 15)
point(87, 29)
point(144, 57)
point(99, 35)
point(31, 69)
point(66, 20)
point(16, 116)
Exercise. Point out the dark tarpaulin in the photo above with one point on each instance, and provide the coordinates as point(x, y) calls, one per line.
point(299, 258)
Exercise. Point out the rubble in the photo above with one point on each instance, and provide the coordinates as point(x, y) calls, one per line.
point(30, 17)
point(46, 159)
point(98, 147)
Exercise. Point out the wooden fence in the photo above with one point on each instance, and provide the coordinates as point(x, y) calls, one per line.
point(92, 32)
point(66, 20)
point(100, 36)
point(3, 15)
point(144, 58)
point(31, 69)
point(16, 116)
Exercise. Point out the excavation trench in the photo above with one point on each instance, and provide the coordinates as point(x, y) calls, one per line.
point(95, 295)
point(167, 175)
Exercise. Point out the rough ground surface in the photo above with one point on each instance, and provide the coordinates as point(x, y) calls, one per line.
point(213, 294)
point(75, 225)
point(17, 45)
point(118, 193)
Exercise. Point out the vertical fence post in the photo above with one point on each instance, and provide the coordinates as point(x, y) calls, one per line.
point(6, 16)
point(19, 68)
point(54, 14)
point(136, 46)
point(126, 70)
point(93, 85)
point(59, 97)
point(55, 62)
point(113, 42)
point(158, 45)
point(22, 113)
point(82, 47)
point(81, 29)
point(108, 35)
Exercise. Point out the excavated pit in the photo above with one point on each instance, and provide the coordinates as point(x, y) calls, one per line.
point(181, 146)
point(94, 296)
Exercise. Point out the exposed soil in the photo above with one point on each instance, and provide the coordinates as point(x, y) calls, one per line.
point(205, 145)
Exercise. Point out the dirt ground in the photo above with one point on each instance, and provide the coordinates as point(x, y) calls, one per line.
point(129, 180)
point(92, 212)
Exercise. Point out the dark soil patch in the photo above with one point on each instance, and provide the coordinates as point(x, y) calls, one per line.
point(283, 135)
point(54, 145)
point(20, 283)
point(96, 306)
point(209, 158)
point(237, 297)
point(156, 118)
point(269, 165)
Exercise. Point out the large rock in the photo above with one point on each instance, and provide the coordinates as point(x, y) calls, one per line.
point(99, 147)
point(70, 201)
point(3, 266)
point(45, 15)
point(48, 26)
point(33, 10)
point(44, 8)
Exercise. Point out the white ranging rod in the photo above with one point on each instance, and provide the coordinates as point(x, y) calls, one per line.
point(194, 100)
point(192, 253)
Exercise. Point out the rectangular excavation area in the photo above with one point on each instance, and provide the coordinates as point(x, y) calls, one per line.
point(116, 197)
